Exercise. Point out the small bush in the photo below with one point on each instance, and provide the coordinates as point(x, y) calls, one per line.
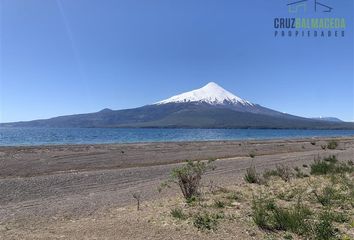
point(322, 167)
point(261, 215)
point(288, 195)
point(282, 171)
point(324, 227)
point(252, 155)
point(340, 217)
point(251, 175)
point(344, 168)
point(219, 204)
point(188, 177)
point(206, 221)
point(288, 236)
point(326, 197)
point(330, 165)
point(293, 219)
point(269, 173)
point(332, 144)
point(313, 143)
point(268, 216)
point(192, 200)
point(330, 196)
point(178, 213)
point(234, 196)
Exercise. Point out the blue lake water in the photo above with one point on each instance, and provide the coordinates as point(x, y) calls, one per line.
point(48, 136)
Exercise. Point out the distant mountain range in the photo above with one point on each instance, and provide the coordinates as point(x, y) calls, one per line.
point(328, 119)
point(208, 107)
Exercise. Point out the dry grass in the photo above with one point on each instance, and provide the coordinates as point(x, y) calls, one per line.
point(226, 213)
point(311, 207)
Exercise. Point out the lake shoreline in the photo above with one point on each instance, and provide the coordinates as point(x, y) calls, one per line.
point(49, 184)
point(27, 161)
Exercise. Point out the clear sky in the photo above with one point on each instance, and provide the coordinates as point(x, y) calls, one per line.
point(62, 57)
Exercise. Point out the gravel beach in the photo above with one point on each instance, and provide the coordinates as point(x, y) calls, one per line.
point(45, 184)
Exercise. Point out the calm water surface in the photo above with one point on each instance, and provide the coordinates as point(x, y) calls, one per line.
point(48, 136)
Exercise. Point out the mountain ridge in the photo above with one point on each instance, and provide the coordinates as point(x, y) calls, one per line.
point(328, 119)
point(208, 107)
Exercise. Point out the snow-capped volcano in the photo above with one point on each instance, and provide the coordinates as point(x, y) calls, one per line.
point(208, 107)
point(211, 93)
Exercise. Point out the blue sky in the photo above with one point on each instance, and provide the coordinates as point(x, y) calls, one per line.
point(63, 57)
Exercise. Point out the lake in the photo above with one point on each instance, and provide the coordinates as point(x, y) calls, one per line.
point(49, 136)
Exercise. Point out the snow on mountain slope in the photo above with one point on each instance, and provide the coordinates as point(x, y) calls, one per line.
point(210, 93)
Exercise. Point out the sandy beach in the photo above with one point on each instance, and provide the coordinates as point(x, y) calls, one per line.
point(43, 185)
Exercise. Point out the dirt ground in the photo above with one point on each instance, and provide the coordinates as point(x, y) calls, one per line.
point(85, 191)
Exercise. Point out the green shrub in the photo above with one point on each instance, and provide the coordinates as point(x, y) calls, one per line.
point(178, 213)
point(206, 221)
point(326, 197)
point(188, 177)
point(344, 168)
point(269, 173)
point(324, 229)
point(288, 195)
point(219, 204)
point(288, 236)
point(330, 196)
point(332, 144)
point(192, 200)
point(339, 217)
point(234, 196)
point(296, 219)
point(252, 155)
point(251, 175)
point(293, 219)
point(325, 166)
point(268, 216)
point(330, 165)
point(347, 187)
point(261, 212)
point(282, 171)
